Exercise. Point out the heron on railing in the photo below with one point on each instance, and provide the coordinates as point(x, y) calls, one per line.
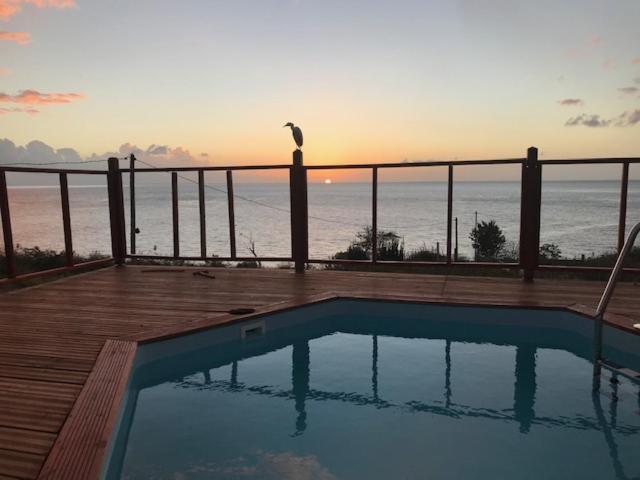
point(296, 132)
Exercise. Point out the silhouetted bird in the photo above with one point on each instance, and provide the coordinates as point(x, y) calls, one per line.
point(296, 132)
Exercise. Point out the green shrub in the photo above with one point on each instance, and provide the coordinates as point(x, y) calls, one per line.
point(423, 254)
point(550, 251)
point(390, 246)
point(35, 259)
point(488, 240)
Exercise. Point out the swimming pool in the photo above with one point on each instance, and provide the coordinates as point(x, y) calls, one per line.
point(351, 389)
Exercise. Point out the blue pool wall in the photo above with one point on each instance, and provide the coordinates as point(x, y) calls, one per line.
point(565, 329)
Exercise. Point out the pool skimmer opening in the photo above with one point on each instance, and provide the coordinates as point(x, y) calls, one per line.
point(252, 330)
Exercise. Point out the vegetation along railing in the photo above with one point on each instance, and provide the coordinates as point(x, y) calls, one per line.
point(530, 206)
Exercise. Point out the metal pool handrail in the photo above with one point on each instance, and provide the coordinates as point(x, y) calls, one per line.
point(613, 278)
point(606, 298)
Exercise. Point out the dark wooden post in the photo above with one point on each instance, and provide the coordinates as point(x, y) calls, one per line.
point(203, 220)
point(9, 253)
point(174, 209)
point(449, 212)
point(232, 215)
point(374, 214)
point(116, 212)
point(66, 219)
point(299, 213)
point(622, 223)
point(132, 202)
point(455, 250)
point(530, 214)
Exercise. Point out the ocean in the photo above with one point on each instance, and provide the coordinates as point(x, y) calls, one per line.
point(581, 217)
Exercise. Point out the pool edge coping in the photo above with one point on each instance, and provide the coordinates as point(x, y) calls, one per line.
point(81, 447)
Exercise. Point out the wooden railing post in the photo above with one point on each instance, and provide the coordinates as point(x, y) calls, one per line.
point(175, 214)
point(232, 215)
point(374, 215)
point(299, 213)
point(450, 214)
point(530, 214)
point(66, 219)
point(116, 212)
point(622, 222)
point(9, 253)
point(203, 217)
point(132, 203)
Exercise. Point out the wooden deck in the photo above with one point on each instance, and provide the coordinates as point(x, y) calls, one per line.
point(52, 334)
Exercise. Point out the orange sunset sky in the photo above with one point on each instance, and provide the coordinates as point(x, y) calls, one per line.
point(368, 81)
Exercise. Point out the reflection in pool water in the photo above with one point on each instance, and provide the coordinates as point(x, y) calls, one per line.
point(419, 392)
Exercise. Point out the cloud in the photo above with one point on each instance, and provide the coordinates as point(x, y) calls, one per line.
point(8, 8)
point(34, 152)
point(156, 155)
point(568, 102)
point(157, 150)
point(585, 120)
point(629, 90)
point(4, 72)
point(33, 97)
point(28, 111)
point(39, 152)
point(586, 49)
point(636, 61)
point(21, 38)
point(626, 119)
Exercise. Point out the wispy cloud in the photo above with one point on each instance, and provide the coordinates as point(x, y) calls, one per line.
point(21, 38)
point(570, 102)
point(8, 8)
point(586, 49)
point(629, 90)
point(28, 111)
point(593, 121)
point(33, 97)
point(626, 119)
point(4, 72)
point(636, 61)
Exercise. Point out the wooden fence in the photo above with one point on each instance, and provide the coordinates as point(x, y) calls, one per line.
point(530, 204)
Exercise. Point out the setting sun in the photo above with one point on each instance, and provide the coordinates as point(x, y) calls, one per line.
point(327, 181)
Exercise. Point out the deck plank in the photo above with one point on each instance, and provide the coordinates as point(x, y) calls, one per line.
point(51, 335)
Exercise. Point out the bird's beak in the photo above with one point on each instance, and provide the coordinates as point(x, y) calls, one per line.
point(284, 125)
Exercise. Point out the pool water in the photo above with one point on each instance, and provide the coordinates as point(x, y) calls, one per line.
point(378, 390)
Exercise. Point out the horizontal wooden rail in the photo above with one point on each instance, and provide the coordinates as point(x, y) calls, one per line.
point(438, 163)
point(589, 161)
point(410, 263)
point(74, 171)
point(56, 271)
point(209, 168)
point(210, 259)
point(582, 269)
